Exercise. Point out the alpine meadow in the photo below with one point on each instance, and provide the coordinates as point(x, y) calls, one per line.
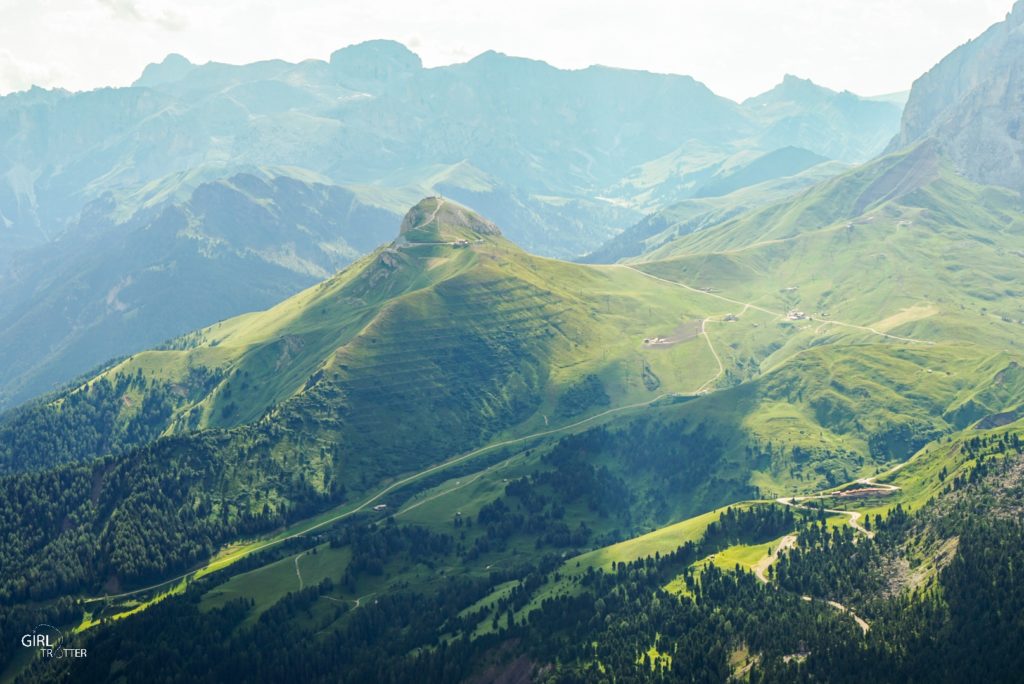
point(379, 369)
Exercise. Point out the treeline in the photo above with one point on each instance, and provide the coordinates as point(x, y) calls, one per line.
point(415, 636)
point(841, 565)
point(128, 519)
point(617, 625)
point(746, 525)
point(535, 504)
point(753, 525)
point(966, 629)
point(373, 546)
point(18, 620)
point(135, 518)
point(674, 468)
point(393, 638)
point(85, 423)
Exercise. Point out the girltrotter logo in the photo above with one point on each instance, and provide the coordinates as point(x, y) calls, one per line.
point(50, 642)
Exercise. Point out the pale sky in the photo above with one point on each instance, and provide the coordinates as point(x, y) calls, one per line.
point(737, 47)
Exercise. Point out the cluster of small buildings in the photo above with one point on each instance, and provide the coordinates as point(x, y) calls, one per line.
point(795, 315)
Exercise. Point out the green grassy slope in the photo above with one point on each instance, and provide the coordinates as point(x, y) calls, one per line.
point(481, 324)
point(419, 352)
point(902, 245)
point(912, 346)
point(451, 337)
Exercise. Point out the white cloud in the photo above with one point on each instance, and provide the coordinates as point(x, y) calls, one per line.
point(124, 9)
point(18, 74)
point(130, 10)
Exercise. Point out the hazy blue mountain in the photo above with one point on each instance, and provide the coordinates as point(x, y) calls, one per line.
point(69, 306)
point(785, 161)
point(704, 212)
point(373, 111)
point(796, 114)
point(972, 103)
point(840, 126)
point(781, 440)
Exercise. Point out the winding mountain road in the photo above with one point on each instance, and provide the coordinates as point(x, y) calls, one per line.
point(232, 557)
point(703, 389)
point(297, 573)
point(761, 572)
point(427, 221)
point(760, 568)
point(780, 314)
point(870, 483)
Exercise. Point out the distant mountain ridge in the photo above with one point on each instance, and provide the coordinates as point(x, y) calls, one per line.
point(836, 125)
point(232, 242)
point(706, 212)
point(373, 110)
point(566, 159)
point(965, 115)
point(776, 435)
point(780, 163)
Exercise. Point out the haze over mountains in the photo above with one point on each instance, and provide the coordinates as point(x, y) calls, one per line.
point(108, 197)
point(373, 114)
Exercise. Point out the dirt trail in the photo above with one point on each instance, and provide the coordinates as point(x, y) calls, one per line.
point(428, 221)
point(458, 485)
point(702, 292)
point(360, 599)
point(861, 622)
point(870, 483)
point(703, 389)
point(761, 572)
point(297, 573)
point(761, 567)
point(775, 313)
point(854, 516)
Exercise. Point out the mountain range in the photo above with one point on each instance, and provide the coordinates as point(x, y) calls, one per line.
point(773, 431)
point(565, 159)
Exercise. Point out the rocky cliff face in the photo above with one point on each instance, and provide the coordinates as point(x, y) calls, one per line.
point(972, 103)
